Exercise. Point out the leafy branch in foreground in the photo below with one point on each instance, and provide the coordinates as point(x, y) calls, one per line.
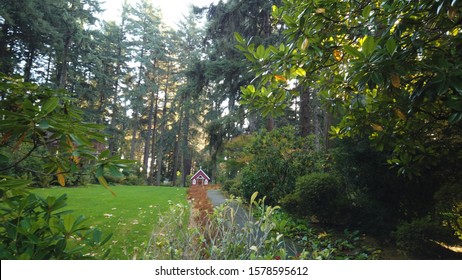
point(38, 117)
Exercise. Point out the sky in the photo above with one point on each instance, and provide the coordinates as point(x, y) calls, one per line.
point(172, 10)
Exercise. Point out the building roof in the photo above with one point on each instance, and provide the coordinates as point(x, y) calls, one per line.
point(200, 172)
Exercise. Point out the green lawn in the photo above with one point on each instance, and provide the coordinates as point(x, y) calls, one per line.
point(131, 215)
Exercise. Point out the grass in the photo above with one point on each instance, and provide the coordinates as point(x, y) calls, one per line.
point(131, 215)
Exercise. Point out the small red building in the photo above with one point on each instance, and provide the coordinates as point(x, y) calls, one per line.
point(200, 178)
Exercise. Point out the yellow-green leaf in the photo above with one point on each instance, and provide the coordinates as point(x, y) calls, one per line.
point(253, 197)
point(60, 177)
point(320, 10)
point(300, 72)
point(104, 183)
point(400, 114)
point(377, 127)
point(305, 44)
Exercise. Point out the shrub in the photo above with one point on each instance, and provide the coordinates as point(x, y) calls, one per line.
point(278, 158)
point(33, 227)
point(233, 187)
point(225, 235)
point(316, 194)
point(417, 238)
point(449, 206)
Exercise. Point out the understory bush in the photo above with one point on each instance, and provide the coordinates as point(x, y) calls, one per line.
point(232, 186)
point(419, 238)
point(318, 194)
point(262, 232)
point(449, 206)
point(225, 235)
point(278, 158)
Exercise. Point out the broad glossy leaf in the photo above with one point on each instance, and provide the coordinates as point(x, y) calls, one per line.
point(366, 12)
point(260, 52)
point(239, 38)
point(352, 51)
point(368, 45)
point(390, 46)
point(104, 183)
point(376, 127)
point(305, 44)
point(50, 105)
point(395, 81)
point(60, 177)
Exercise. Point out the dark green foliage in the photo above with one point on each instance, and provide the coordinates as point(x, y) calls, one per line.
point(278, 158)
point(42, 132)
point(33, 227)
point(449, 206)
point(232, 186)
point(418, 238)
point(318, 194)
point(376, 192)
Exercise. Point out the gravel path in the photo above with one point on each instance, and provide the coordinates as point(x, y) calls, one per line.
point(217, 198)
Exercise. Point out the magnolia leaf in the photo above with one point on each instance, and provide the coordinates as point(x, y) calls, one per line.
point(239, 38)
point(376, 127)
point(260, 52)
point(352, 51)
point(390, 46)
point(104, 183)
point(280, 78)
point(253, 197)
point(400, 114)
point(60, 177)
point(366, 12)
point(68, 223)
point(44, 124)
point(337, 55)
point(305, 44)
point(368, 45)
point(50, 105)
point(300, 72)
point(395, 81)
point(452, 13)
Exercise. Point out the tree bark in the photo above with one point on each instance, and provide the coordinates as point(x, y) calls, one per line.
point(29, 63)
point(135, 131)
point(63, 63)
point(147, 140)
point(306, 126)
point(176, 151)
point(153, 144)
point(162, 131)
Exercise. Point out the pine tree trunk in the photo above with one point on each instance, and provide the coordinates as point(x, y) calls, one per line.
point(306, 126)
point(63, 63)
point(29, 63)
point(147, 140)
point(176, 151)
point(6, 54)
point(162, 130)
point(185, 148)
point(133, 142)
point(153, 144)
